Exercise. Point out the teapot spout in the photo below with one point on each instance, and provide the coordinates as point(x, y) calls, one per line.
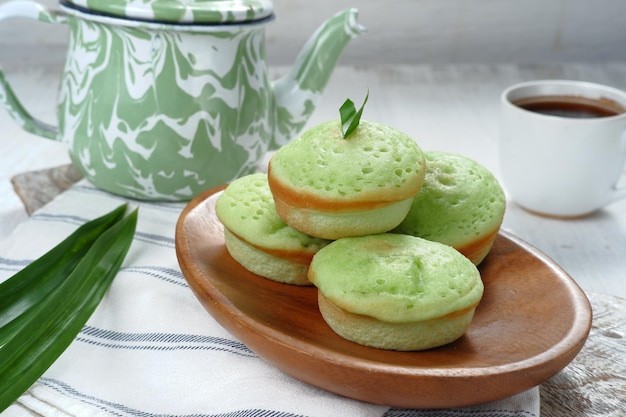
point(297, 93)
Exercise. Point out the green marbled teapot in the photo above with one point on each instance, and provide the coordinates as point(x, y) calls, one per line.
point(162, 99)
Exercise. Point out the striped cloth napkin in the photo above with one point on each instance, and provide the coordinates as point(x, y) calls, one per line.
point(150, 349)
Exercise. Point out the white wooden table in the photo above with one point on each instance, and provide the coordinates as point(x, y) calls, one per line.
point(451, 108)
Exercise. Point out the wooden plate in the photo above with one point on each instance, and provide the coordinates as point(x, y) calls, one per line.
point(532, 321)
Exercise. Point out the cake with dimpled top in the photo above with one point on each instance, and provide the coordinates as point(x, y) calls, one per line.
point(257, 238)
point(396, 292)
point(461, 204)
point(329, 186)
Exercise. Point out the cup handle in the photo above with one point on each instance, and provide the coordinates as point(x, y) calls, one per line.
point(35, 11)
point(620, 192)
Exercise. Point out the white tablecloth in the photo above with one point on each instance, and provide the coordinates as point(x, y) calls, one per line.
point(150, 349)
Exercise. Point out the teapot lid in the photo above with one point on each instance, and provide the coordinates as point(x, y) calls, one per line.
point(181, 11)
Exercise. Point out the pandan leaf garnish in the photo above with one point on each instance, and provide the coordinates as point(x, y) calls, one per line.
point(350, 117)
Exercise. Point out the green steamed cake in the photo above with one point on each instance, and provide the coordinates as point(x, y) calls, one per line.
point(375, 163)
point(258, 238)
point(460, 204)
point(329, 186)
point(385, 290)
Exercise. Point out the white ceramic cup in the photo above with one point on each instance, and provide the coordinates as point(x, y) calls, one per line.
point(562, 166)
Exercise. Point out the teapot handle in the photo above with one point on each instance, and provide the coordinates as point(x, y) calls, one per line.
point(35, 11)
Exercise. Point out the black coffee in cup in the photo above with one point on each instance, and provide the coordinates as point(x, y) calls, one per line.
point(571, 106)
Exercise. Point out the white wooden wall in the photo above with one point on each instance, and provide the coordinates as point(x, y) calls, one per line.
point(414, 31)
point(453, 31)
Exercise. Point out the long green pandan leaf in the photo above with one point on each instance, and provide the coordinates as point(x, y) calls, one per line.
point(34, 282)
point(49, 326)
point(24, 290)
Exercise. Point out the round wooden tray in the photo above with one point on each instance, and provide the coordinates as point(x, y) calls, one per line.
point(532, 321)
